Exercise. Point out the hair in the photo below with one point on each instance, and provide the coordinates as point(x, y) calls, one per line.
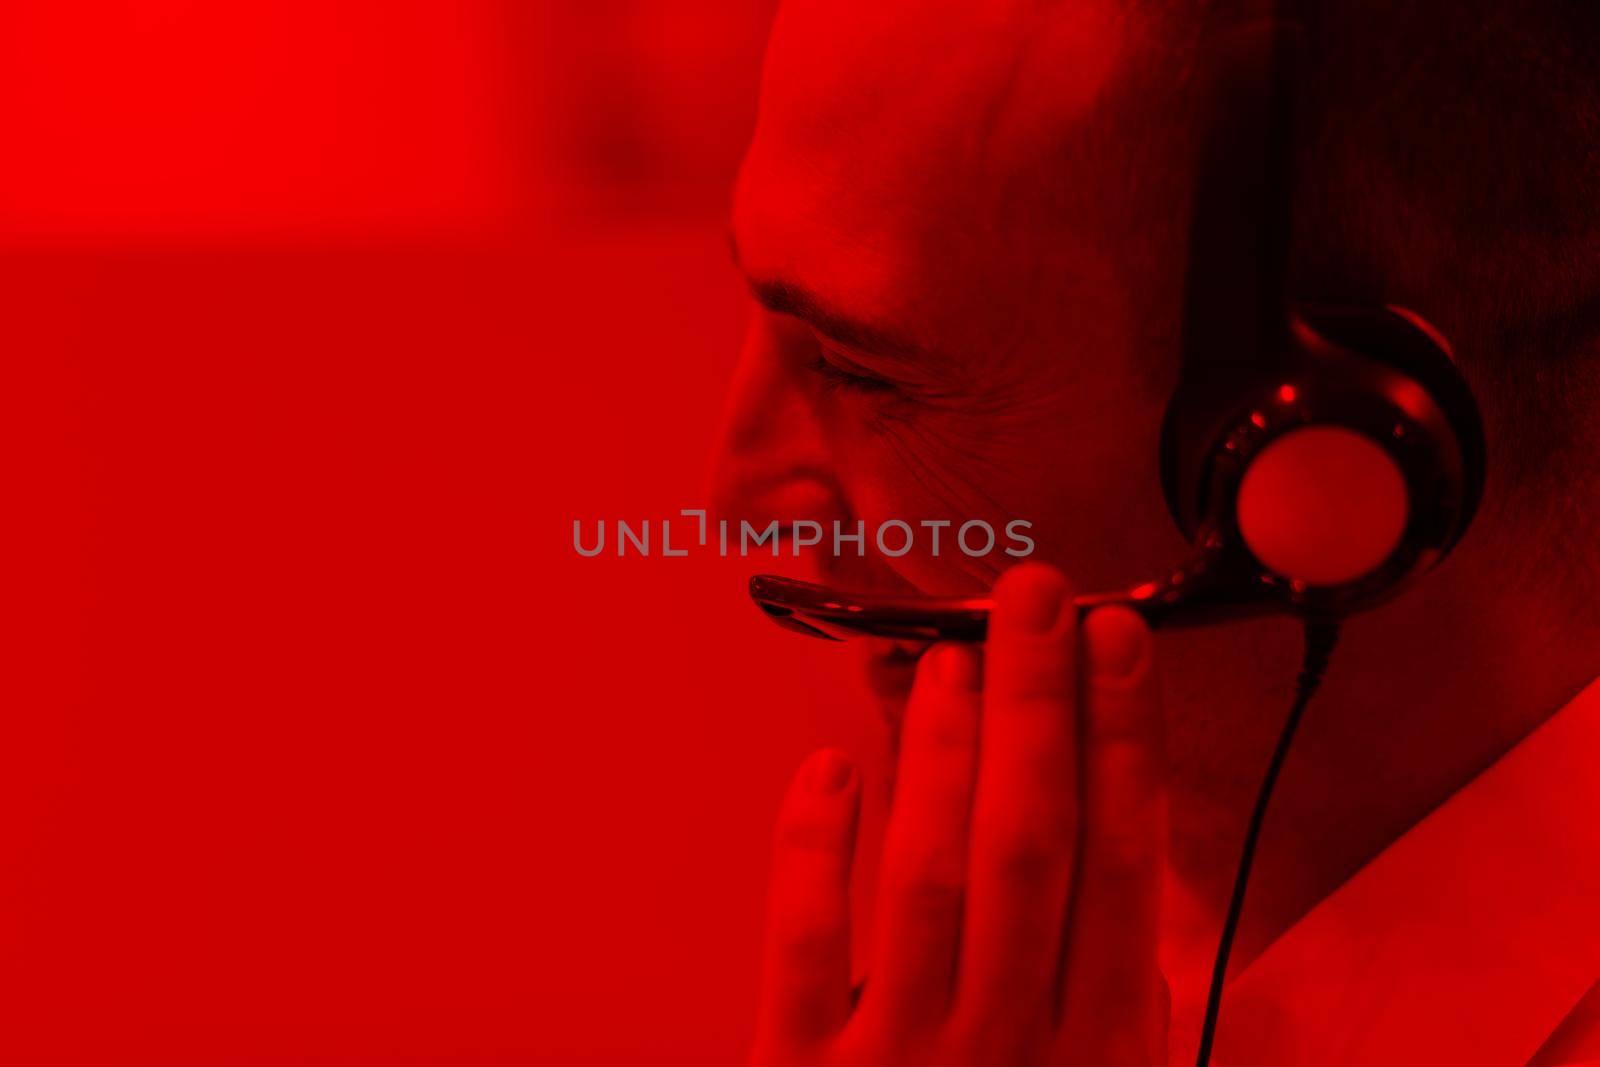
point(1451, 157)
point(1448, 161)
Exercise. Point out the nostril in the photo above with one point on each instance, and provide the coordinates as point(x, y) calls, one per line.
point(803, 493)
point(785, 495)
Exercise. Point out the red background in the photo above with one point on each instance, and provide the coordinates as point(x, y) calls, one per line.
point(321, 321)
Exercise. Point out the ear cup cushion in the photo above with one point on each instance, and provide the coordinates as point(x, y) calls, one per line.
point(1322, 505)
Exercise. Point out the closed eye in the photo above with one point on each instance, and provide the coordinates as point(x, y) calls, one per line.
point(838, 372)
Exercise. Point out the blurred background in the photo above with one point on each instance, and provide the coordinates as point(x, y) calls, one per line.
point(320, 321)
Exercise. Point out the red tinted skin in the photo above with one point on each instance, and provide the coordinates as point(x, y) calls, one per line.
point(1005, 811)
point(962, 227)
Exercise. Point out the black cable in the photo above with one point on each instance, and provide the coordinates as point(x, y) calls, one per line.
point(1320, 639)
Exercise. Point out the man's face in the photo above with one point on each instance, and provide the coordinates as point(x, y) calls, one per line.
point(968, 284)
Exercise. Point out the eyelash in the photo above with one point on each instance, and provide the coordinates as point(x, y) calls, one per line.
point(836, 377)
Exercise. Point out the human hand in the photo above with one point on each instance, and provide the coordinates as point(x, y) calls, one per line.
point(1019, 894)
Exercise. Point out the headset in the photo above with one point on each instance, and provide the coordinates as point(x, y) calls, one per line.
point(1319, 456)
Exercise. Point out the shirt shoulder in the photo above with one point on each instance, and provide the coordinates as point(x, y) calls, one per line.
point(1473, 940)
point(1576, 1042)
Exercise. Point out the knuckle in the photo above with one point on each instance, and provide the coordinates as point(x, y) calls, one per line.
point(1127, 834)
point(1125, 1047)
point(1030, 811)
point(928, 890)
point(806, 941)
point(810, 835)
point(1013, 1032)
point(1129, 875)
point(1049, 771)
point(1031, 853)
point(1124, 851)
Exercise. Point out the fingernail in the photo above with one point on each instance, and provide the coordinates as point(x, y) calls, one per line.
point(1116, 642)
point(955, 666)
point(828, 771)
point(1035, 603)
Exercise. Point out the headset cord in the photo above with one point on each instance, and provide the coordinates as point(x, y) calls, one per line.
point(1320, 637)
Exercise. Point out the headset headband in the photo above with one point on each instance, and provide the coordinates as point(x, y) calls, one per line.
point(1235, 314)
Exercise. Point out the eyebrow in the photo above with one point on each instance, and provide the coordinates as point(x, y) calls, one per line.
point(787, 298)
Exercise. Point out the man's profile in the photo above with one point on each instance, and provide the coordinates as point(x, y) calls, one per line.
point(964, 227)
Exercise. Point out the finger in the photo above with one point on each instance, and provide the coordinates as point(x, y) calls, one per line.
point(1112, 988)
point(922, 878)
point(1025, 810)
point(805, 984)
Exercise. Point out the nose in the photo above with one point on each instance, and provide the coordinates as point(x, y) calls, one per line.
point(772, 460)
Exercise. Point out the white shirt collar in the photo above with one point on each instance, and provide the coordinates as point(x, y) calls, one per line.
point(1466, 942)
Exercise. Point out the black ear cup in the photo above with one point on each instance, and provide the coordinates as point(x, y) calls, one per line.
point(1353, 465)
point(1407, 343)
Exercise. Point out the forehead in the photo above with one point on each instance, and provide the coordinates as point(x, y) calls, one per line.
point(902, 147)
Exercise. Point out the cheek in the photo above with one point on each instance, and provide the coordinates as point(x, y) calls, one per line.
point(1095, 482)
point(1080, 469)
point(950, 469)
